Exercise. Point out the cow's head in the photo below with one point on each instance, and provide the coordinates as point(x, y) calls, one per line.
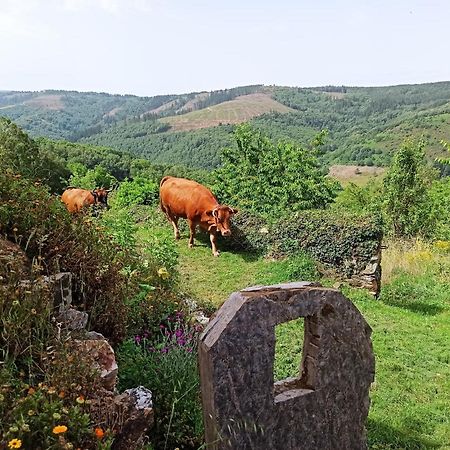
point(221, 218)
point(101, 196)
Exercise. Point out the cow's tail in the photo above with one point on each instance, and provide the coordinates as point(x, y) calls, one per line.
point(163, 181)
point(163, 208)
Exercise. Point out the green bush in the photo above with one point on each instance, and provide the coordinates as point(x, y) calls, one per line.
point(167, 364)
point(139, 191)
point(341, 241)
point(20, 154)
point(57, 241)
point(344, 242)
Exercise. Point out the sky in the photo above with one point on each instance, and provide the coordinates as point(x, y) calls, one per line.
point(151, 47)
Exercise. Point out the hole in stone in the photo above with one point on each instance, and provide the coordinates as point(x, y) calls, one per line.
point(289, 338)
point(295, 365)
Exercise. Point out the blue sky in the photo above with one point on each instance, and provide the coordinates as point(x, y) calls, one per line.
point(150, 47)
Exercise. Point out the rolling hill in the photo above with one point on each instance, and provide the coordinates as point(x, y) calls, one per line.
point(241, 109)
point(365, 125)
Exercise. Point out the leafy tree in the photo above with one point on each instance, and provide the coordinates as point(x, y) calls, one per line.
point(22, 155)
point(264, 177)
point(406, 190)
point(18, 152)
point(90, 178)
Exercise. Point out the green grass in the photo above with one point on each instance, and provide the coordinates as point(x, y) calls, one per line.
point(410, 398)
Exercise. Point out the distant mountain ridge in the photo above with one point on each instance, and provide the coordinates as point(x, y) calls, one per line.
point(365, 124)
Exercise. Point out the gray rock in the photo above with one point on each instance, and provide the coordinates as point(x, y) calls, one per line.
point(73, 319)
point(136, 407)
point(323, 408)
point(104, 359)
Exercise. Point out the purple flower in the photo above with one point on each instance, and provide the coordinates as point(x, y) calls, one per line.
point(164, 350)
point(162, 327)
point(137, 339)
point(181, 341)
point(179, 333)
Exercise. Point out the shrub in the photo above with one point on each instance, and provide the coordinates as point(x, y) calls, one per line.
point(139, 191)
point(20, 154)
point(57, 242)
point(168, 366)
point(341, 241)
point(344, 242)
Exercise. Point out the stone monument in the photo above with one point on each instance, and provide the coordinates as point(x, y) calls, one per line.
point(324, 408)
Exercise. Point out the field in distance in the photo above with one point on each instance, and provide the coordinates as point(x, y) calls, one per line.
point(359, 175)
point(239, 110)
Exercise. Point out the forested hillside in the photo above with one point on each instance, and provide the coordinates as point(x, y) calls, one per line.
point(365, 125)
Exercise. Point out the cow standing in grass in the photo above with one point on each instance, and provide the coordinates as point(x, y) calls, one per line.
point(187, 199)
point(76, 199)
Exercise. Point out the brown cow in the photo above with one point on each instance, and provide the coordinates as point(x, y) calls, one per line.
point(75, 199)
point(192, 201)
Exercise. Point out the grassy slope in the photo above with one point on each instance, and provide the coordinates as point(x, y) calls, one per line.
point(239, 110)
point(411, 394)
point(359, 175)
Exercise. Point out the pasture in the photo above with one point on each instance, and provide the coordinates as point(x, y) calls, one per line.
point(410, 323)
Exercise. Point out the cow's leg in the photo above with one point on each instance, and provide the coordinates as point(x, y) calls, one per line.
point(174, 221)
point(176, 231)
point(213, 239)
point(191, 233)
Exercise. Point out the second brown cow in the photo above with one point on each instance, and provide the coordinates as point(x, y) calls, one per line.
point(187, 199)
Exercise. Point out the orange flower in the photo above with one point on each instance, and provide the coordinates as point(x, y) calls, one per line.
point(59, 429)
point(31, 391)
point(80, 399)
point(99, 433)
point(62, 394)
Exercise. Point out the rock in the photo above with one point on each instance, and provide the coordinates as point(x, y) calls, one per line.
point(323, 408)
point(14, 263)
point(73, 319)
point(62, 286)
point(104, 359)
point(136, 406)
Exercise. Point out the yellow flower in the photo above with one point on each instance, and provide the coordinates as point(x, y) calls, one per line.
point(59, 429)
point(163, 273)
point(31, 412)
point(33, 311)
point(15, 443)
point(51, 390)
point(80, 399)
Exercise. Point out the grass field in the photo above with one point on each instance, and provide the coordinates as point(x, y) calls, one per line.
point(410, 398)
point(358, 175)
point(234, 111)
